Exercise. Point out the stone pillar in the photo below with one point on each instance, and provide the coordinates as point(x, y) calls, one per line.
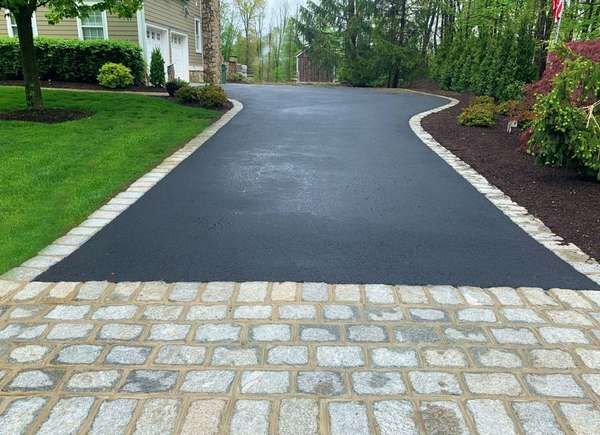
point(211, 37)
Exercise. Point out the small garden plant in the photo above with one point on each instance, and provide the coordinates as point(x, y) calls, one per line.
point(115, 76)
point(209, 97)
point(157, 69)
point(480, 113)
point(174, 85)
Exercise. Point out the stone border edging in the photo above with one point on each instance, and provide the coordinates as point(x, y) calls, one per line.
point(70, 242)
point(568, 252)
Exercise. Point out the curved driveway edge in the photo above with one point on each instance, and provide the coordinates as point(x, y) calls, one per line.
point(69, 243)
point(568, 252)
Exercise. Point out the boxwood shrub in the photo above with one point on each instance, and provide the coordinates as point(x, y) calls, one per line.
point(71, 60)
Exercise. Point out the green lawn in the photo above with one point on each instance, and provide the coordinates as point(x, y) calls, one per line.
point(52, 176)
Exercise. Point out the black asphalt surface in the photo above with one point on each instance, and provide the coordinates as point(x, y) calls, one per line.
point(317, 184)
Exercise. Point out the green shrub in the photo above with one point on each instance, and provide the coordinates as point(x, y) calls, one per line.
point(174, 85)
point(115, 75)
point(157, 69)
point(483, 100)
point(212, 97)
point(71, 60)
point(478, 115)
point(507, 107)
point(188, 95)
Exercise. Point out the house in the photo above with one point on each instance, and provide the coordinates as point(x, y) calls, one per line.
point(172, 26)
point(308, 71)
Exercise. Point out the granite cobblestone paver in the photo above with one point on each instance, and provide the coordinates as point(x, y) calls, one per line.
point(292, 358)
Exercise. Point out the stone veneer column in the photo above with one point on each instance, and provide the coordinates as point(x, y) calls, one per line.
point(211, 33)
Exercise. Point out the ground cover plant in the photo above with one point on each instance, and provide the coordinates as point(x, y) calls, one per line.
point(54, 175)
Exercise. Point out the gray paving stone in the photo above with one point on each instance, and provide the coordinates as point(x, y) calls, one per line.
point(22, 332)
point(70, 331)
point(67, 416)
point(297, 312)
point(571, 298)
point(264, 382)
point(271, 333)
point(218, 332)
point(537, 296)
point(153, 291)
point(113, 417)
point(120, 331)
point(250, 417)
point(91, 291)
point(217, 292)
point(514, 336)
point(283, 291)
point(593, 380)
point(168, 332)
point(417, 334)
point(292, 355)
point(493, 384)
point(128, 355)
point(465, 333)
point(340, 356)
point(377, 383)
point(443, 417)
point(506, 295)
point(339, 312)
point(158, 417)
point(445, 295)
point(321, 383)
point(428, 315)
point(208, 381)
point(149, 381)
point(568, 317)
point(556, 385)
point(35, 380)
point(584, 418)
point(491, 417)
point(253, 292)
point(162, 312)
point(207, 312)
point(20, 414)
point(236, 356)
point(551, 359)
point(298, 417)
point(7, 287)
point(412, 295)
point(475, 296)
point(253, 312)
point(115, 312)
point(97, 380)
point(177, 354)
point(394, 417)
point(554, 335)
point(347, 293)
point(319, 333)
point(68, 312)
point(366, 333)
point(394, 357)
point(123, 291)
point(79, 354)
point(385, 314)
point(379, 294)
point(536, 418)
point(203, 417)
point(184, 292)
point(28, 353)
point(522, 315)
point(483, 315)
point(435, 383)
point(315, 292)
point(445, 357)
point(348, 418)
point(590, 357)
point(24, 312)
point(31, 291)
point(489, 357)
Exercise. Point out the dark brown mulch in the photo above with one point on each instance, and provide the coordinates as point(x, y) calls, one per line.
point(48, 116)
point(568, 203)
point(84, 86)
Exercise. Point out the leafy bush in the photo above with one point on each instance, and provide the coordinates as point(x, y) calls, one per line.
point(188, 95)
point(174, 85)
point(565, 131)
point(71, 60)
point(507, 107)
point(213, 97)
point(157, 69)
point(115, 75)
point(483, 100)
point(478, 115)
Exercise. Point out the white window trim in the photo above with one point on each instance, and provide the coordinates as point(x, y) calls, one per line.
point(104, 26)
point(9, 28)
point(196, 22)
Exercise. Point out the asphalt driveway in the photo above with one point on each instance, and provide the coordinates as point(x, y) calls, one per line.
point(317, 184)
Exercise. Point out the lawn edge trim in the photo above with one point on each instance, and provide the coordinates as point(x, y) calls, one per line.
point(534, 227)
point(76, 237)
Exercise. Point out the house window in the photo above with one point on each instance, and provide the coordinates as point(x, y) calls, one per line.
point(93, 26)
point(198, 24)
point(11, 24)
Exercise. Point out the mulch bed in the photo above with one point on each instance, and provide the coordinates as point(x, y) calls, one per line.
point(84, 86)
point(568, 203)
point(48, 116)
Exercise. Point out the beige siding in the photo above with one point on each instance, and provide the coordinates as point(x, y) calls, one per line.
point(170, 14)
point(66, 28)
point(122, 28)
point(3, 29)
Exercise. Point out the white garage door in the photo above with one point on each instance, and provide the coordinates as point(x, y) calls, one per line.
point(157, 38)
point(179, 51)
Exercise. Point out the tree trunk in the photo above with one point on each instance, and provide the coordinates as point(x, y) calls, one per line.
point(211, 37)
point(31, 75)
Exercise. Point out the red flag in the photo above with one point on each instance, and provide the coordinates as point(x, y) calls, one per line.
point(558, 6)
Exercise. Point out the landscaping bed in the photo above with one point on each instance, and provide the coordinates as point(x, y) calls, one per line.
point(568, 203)
point(55, 175)
point(83, 86)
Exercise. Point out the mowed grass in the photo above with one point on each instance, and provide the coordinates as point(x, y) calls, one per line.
point(52, 176)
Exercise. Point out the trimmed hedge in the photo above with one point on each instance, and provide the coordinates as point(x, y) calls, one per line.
point(72, 60)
